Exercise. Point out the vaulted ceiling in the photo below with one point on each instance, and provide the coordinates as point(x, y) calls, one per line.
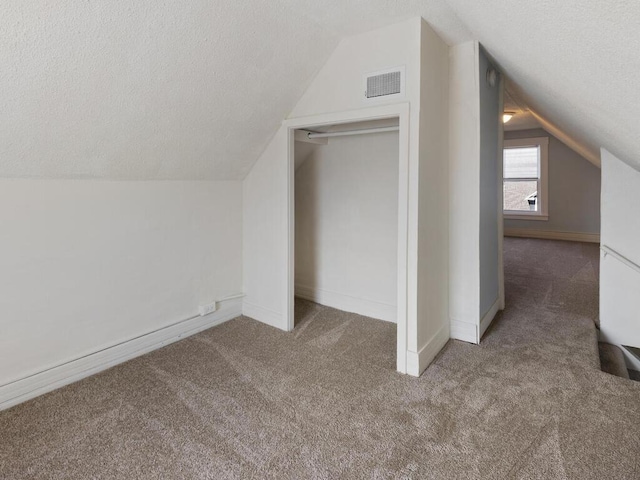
point(575, 63)
point(195, 90)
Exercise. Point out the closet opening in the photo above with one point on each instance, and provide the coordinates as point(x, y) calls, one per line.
point(346, 225)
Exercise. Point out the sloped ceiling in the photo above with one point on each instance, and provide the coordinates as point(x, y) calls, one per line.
point(195, 90)
point(149, 89)
point(523, 118)
point(164, 89)
point(576, 63)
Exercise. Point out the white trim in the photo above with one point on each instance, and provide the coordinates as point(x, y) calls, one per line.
point(262, 314)
point(290, 229)
point(550, 235)
point(525, 216)
point(501, 195)
point(579, 148)
point(470, 332)
point(543, 191)
point(395, 110)
point(402, 317)
point(349, 303)
point(349, 116)
point(464, 331)
point(488, 317)
point(621, 258)
point(417, 362)
point(351, 133)
point(63, 374)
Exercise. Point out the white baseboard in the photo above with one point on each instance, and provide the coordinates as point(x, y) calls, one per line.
point(58, 376)
point(488, 317)
point(470, 332)
point(465, 331)
point(417, 362)
point(550, 235)
point(264, 315)
point(348, 303)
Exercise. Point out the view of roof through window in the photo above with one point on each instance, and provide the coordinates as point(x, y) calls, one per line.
point(521, 178)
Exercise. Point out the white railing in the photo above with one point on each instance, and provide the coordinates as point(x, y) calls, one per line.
point(610, 251)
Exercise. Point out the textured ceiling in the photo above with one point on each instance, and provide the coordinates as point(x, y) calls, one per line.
point(148, 89)
point(195, 90)
point(164, 89)
point(576, 62)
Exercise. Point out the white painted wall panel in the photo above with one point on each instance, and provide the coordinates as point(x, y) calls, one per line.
point(347, 224)
point(620, 208)
point(265, 234)
point(490, 162)
point(433, 205)
point(619, 284)
point(474, 247)
point(464, 187)
point(85, 264)
point(337, 88)
point(339, 84)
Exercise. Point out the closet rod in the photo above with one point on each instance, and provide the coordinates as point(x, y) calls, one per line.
point(352, 132)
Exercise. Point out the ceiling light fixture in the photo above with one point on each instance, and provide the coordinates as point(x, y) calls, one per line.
point(506, 116)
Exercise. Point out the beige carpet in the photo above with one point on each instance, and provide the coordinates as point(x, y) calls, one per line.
point(244, 400)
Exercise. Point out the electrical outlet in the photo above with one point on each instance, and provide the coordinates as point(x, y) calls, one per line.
point(207, 309)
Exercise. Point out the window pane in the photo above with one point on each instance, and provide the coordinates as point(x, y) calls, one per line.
point(520, 195)
point(521, 162)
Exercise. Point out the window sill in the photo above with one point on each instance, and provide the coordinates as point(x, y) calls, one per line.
point(509, 216)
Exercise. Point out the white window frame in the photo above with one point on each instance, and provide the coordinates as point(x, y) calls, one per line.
point(543, 167)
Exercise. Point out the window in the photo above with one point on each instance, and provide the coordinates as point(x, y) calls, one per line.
point(525, 179)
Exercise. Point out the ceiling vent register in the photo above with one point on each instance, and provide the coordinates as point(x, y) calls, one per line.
point(384, 84)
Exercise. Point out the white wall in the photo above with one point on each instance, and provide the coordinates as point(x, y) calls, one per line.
point(85, 265)
point(473, 194)
point(490, 163)
point(264, 234)
point(464, 221)
point(574, 191)
point(619, 284)
point(432, 206)
point(346, 224)
point(337, 88)
point(339, 84)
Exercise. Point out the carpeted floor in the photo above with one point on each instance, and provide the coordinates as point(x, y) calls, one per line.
point(244, 400)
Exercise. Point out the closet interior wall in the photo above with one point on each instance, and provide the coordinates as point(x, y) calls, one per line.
point(346, 223)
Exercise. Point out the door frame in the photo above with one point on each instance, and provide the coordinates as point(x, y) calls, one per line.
point(400, 111)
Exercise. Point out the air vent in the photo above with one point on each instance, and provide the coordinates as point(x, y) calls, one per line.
point(384, 83)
